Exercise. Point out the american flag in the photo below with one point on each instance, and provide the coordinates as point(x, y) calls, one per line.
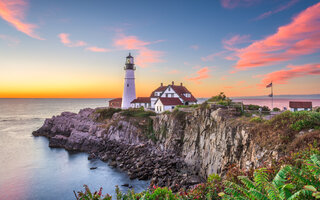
point(269, 85)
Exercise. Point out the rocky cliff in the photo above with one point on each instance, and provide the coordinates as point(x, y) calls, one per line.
point(176, 149)
point(210, 140)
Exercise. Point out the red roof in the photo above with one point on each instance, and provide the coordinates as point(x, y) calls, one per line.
point(116, 100)
point(300, 104)
point(159, 89)
point(170, 101)
point(181, 90)
point(142, 100)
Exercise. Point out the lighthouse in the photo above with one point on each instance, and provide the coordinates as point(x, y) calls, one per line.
point(129, 88)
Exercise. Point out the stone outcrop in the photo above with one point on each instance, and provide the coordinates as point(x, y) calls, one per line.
point(120, 142)
point(186, 146)
point(210, 140)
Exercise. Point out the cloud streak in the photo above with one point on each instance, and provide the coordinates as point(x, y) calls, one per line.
point(236, 3)
point(10, 40)
point(145, 55)
point(13, 11)
point(97, 49)
point(277, 10)
point(64, 38)
point(201, 74)
point(291, 72)
point(300, 37)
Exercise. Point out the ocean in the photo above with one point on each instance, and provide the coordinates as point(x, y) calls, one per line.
point(30, 170)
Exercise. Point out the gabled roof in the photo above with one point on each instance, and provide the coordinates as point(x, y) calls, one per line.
point(159, 89)
point(169, 101)
point(116, 100)
point(300, 104)
point(180, 90)
point(142, 100)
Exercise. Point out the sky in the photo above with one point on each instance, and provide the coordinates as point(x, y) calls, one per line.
point(77, 48)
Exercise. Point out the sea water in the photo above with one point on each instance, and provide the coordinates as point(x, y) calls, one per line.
point(30, 170)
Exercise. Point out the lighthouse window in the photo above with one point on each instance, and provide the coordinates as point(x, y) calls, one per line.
point(127, 85)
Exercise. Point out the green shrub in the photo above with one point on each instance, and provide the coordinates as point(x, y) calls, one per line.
point(106, 113)
point(256, 120)
point(265, 109)
point(167, 112)
point(296, 121)
point(317, 109)
point(178, 114)
point(137, 112)
point(188, 106)
point(220, 99)
point(276, 109)
point(253, 107)
point(246, 114)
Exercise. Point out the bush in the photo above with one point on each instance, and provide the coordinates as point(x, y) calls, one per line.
point(296, 120)
point(178, 114)
point(137, 112)
point(253, 107)
point(265, 108)
point(188, 106)
point(221, 99)
point(276, 109)
point(106, 113)
point(256, 120)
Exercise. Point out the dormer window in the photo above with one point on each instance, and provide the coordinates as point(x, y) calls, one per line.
point(187, 94)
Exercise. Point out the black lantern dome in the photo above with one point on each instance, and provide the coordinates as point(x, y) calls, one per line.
point(129, 62)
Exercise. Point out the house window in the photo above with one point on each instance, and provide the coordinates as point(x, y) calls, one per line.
point(168, 89)
point(167, 95)
point(172, 107)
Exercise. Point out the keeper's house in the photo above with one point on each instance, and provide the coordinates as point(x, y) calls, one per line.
point(300, 105)
point(161, 99)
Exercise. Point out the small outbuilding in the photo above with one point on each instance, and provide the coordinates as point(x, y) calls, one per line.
point(141, 102)
point(300, 105)
point(166, 103)
point(115, 103)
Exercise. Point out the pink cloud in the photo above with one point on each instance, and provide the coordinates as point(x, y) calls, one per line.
point(300, 37)
point(214, 55)
point(13, 11)
point(240, 82)
point(64, 38)
point(97, 49)
point(282, 76)
point(10, 40)
point(236, 39)
point(279, 9)
point(235, 3)
point(224, 77)
point(201, 74)
point(145, 55)
point(174, 71)
point(194, 47)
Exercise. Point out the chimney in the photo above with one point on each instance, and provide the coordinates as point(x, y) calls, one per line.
point(172, 82)
point(161, 84)
point(181, 84)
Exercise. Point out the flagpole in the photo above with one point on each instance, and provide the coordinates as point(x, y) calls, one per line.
point(272, 95)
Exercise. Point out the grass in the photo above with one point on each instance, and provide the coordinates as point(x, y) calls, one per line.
point(256, 120)
point(188, 106)
point(297, 121)
point(106, 113)
point(137, 112)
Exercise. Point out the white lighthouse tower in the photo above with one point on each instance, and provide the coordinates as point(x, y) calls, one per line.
point(129, 89)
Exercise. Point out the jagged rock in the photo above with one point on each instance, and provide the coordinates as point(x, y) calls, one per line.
point(203, 141)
